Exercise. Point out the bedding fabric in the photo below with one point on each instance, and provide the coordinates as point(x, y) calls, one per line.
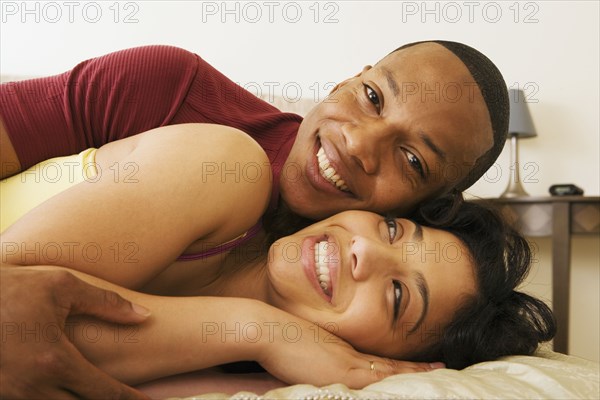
point(547, 375)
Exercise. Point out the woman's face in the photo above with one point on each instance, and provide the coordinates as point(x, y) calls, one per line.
point(398, 133)
point(386, 286)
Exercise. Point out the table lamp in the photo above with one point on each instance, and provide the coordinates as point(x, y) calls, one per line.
point(520, 126)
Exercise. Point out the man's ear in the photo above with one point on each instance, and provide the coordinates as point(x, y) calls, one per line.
point(339, 85)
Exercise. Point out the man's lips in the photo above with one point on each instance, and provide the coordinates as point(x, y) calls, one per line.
point(320, 182)
point(328, 171)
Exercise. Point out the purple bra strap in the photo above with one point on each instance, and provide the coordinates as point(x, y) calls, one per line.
point(223, 247)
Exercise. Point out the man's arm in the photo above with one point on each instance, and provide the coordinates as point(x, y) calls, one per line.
point(9, 162)
point(36, 358)
point(99, 101)
point(127, 92)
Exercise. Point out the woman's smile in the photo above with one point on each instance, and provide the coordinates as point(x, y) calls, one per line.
point(321, 263)
point(367, 274)
point(322, 267)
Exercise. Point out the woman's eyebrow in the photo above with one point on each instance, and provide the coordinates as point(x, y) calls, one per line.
point(417, 235)
point(424, 291)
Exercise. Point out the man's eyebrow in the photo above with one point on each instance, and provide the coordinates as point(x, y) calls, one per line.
point(424, 290)
point(392, 84)
point(429, 143)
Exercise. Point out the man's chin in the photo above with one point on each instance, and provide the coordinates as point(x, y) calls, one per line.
point(308, 208)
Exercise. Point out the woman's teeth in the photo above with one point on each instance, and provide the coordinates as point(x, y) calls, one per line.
point(328, 172)
point(321, 257)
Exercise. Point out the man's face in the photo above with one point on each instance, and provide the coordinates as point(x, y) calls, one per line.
point(398, 133)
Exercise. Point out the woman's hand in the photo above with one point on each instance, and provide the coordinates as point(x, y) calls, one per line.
point(301, 352)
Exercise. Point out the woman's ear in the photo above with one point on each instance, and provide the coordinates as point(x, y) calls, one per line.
point(341, 84)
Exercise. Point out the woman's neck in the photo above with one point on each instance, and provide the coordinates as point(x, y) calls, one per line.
point(243, 273)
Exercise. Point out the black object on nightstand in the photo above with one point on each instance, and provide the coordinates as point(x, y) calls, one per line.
point(565, 189)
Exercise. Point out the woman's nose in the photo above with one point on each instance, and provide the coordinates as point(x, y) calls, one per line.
point(365, 144)
point(368, 258)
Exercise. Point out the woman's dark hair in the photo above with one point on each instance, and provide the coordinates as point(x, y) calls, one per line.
point(495, 94)
point(281, 221)
point(498, 320)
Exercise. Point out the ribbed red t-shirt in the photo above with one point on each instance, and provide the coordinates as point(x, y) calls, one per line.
point(132, 91)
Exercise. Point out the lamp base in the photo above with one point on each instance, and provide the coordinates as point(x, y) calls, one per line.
point(514, 188)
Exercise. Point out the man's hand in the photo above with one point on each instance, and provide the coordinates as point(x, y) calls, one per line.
point(37, 359)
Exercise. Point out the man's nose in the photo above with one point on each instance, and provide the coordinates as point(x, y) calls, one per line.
point(365, 144)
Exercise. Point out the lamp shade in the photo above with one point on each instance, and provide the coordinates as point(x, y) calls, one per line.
point(520, 123)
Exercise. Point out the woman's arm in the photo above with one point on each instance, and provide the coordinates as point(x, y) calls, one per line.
point(191, 333)
point(155, 194)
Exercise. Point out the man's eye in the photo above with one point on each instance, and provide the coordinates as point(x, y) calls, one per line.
point(415, 163)
point(392, 228)
point(373, 97)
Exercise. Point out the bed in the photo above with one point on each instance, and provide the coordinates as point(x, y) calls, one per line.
point(546, 375)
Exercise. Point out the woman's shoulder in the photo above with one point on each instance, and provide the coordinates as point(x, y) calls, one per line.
point(220, 170)
point(228, 140)
point(216, 139)
point(220, 150)
point(228, 168)
point(233, 176)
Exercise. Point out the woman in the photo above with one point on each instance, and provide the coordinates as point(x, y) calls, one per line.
point(376, 290)
point(371, 269)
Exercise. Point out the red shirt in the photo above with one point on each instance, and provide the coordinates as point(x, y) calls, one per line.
point(132, 91)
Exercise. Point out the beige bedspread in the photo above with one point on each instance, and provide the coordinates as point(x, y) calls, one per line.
point(548, 375)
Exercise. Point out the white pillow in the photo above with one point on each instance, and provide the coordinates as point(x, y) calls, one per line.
point(547, 375)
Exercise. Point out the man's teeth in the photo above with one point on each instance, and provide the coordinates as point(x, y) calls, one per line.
point(321, 256)
point(328, 172)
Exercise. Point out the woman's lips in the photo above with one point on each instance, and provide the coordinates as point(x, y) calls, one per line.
point(322, 250)
point(309, 265)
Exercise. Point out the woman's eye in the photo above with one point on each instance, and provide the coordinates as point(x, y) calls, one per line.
point(415, 164)
point(397, 298)
point(373, 97)
point(392, 226)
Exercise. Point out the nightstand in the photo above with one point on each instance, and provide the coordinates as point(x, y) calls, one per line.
point(558, 217)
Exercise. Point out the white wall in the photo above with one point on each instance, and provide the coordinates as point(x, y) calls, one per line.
point(550, 48)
